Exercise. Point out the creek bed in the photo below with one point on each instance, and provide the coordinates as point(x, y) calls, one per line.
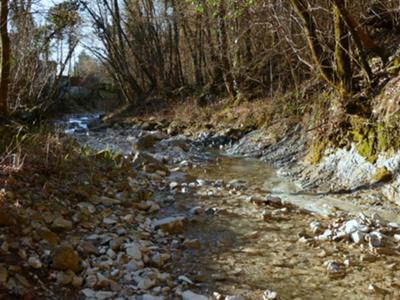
point(244, 253)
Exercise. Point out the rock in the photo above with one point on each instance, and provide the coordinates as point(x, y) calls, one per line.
point(351, 226)
point(357, 237)
point(103, 295)
point(49, 236)
point(34, 262)
point(268, 294)
point(274, 201)
point(77, 281)
point(22, 280)
point(237, 184)
point(170, 225)
point(6, 219)
point(109, 221)
point(184, 278)
point(150, 297)
point(60, 224)
point(189, 295)
point(91, 281)
point(234, 298)
point(146, 142)
point(378, 220)
point(157, 260)
point(316, 227)
point(3, 274)
point(375, 239)
point(133, 251)
point(145, 283)
point(377, 290)
point(382, 175)
point(65, 258)
point(368, 257)
point(325, 236)
point(104, 200)
point(88, 247)
point(197, 210)
point(63, 278)
point(89, 293)
point(173, 185)
point(192, 244)
point(152, 165)
point(334, 269)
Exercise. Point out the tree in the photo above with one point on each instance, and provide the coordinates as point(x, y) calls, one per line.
point(5, 57)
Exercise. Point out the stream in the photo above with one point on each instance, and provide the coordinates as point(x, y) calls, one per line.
point(236, 244)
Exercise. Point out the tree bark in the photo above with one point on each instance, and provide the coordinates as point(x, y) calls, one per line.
point(342, 55)
point(358, 32)
point(224, 50)
point(5, 58)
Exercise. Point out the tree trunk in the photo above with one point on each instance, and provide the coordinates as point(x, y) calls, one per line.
point(358, 32)
point(224, 50)
point(5, 58)
point(342, 56)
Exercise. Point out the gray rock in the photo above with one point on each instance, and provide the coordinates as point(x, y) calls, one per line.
point(189, 295)
point(133, 251)
point(60, 223)
point(150, 297)
point(375, 239)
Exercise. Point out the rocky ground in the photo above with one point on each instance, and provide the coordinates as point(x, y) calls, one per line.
point(171, 218)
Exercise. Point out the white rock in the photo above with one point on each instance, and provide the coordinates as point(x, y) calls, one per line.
point(183, 278)
point(234, 298)
point(357, 237)
point(268, 294)
point(316, 227)
point(173, 185)
point(394, 225)
point(351, 226)
point(325, 236)
point(189, 295)
point(201, 182)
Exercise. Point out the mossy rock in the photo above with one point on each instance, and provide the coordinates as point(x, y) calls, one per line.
point(382, 175)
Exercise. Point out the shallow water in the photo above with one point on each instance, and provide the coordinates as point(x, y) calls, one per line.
point(243, 254)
